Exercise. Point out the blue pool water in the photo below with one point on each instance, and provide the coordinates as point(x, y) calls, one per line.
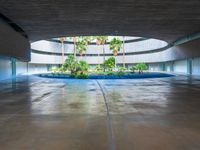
point(125, 76)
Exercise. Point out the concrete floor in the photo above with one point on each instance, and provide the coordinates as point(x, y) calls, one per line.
point(146, 114)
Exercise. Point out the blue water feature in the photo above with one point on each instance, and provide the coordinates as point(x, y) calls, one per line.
point(125, 76)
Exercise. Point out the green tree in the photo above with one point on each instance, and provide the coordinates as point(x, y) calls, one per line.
point(82, 66)
point(115, 46)
point(81, 46)
point(133, 68)
point(62, 39)
point(141, 67)
point(81, 70)
point(101, 40)
point(70, 64)
point(123, 49)
point(88, 39)
point(109, 64)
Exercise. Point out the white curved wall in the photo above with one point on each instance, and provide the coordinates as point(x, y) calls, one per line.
point(55, 47)
point(170, 54)
point(45, 59)
point(196, 66)
point(184, 58)
point(144, 45)
point(174, 59)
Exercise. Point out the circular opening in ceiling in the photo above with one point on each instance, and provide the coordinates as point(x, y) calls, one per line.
point(130, 44)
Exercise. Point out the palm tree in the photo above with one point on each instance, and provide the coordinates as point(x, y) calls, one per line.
point(87, 40)
point(81, 46)
point(115, 46)
point(124, 52)
point(101, 40)
point(74, 41)
point(62, 39)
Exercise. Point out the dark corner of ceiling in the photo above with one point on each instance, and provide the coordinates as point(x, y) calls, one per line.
point(13, 25)
point(16, 42)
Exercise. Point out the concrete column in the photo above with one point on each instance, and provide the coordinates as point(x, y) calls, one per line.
point(26, 67)
point(162, 66)
point(172, 67)
point(189, 66)
point(13, 66)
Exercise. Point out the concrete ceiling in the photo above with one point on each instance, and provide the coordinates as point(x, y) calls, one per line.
point(161, 19)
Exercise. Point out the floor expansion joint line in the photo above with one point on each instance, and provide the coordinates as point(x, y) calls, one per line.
point(109, 118)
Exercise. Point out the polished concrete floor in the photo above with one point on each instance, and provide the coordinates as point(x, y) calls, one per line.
point(145, 114)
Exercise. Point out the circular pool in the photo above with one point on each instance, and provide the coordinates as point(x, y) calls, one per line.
point(114, 76)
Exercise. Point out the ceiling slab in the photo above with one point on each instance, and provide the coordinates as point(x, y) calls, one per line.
point(43, 19)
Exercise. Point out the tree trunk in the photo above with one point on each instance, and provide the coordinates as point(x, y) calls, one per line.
point(62, 49)
point(74, 40)
point(124, 65)
point(104, 57)
point(62, 53)
point(115, 61)
point(98, 60)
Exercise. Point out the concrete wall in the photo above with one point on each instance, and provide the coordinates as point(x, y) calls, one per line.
point(196, 66)
point(145, 45)
point(21, 68)
point(45, 59)
point(37, 68)
point(13, 45)
point(10, 67)
point(154, 67)
point(183, 51)
point(5, 68)
point(169, 66)
point(175, 59)
point(180, 66)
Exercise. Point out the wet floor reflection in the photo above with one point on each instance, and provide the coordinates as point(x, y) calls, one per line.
point(40, 113)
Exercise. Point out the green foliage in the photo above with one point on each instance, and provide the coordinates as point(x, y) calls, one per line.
point(81, 76)
point(88, 39)
point(122, 69)
point(115, 45)
point(78, 69)
point(82, 66)
point(100, 40)
point(81, 70)
point(70, 64)
point(62, 69)
point(81, 46)
point(120, 73)
point(133, 69)
point(141, 67)
point(109, 73)
point(109, 64)
point(98, 68)
point(55, 70)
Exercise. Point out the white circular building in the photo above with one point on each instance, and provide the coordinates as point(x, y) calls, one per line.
point(157, 54)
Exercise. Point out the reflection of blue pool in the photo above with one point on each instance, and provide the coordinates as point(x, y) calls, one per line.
point(126, 76)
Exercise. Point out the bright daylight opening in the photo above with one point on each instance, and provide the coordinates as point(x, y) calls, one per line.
point(95, 56)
